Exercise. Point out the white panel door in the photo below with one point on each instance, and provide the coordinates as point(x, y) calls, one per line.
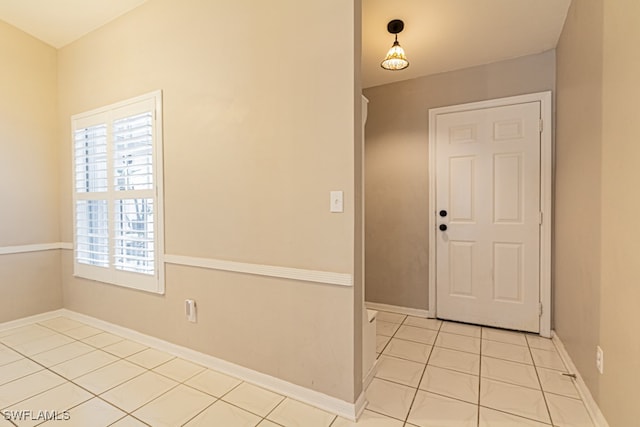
point(488, 216)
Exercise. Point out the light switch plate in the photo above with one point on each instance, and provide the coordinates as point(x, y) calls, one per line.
point(337, 204)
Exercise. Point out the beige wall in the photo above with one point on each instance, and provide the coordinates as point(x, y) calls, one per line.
point(259, 126)
point(620, 292)
point(30, 283)
point(396, 166)
point(28, 174)
point(359, 313)
point(577, 186)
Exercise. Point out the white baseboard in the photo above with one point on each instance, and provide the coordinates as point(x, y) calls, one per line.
point(360, 405)
point(397, 309)
point(370, 375)
point(24, 321)
point(294, 391)
point(592, 407)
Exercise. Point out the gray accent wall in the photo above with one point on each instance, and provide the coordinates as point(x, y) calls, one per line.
point(578, 193)
point(396, 166)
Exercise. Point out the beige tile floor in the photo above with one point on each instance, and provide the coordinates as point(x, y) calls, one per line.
point(435, 373)
point(430, 373)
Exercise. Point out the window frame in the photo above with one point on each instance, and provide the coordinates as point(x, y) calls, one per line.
point(150, 102)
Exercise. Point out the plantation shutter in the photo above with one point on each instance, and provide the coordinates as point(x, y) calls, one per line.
point(92, 230)
point(118, 159)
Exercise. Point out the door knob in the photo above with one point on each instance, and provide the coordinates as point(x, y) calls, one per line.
point(443, 227)
point(443, 213)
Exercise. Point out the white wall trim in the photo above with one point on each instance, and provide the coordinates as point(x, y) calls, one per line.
point(24, 321)
point(327, 277)
point(37, 247)
point(546, 187)
point(359, 406)
point(369, 378)
point(398, 309)
point(294, 391)
point(592, 407)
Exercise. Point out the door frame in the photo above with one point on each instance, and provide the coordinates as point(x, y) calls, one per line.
point(546, 188)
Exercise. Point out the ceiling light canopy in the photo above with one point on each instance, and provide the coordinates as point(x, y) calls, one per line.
point(395, 59)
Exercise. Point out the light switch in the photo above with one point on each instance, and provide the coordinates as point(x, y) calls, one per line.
point(336, 202)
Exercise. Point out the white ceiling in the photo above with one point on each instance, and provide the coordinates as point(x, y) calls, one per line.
point(59, 22)
point(445, 35)
point(439, 35)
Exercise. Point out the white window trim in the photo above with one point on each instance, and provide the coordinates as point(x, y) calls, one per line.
point(151, 283)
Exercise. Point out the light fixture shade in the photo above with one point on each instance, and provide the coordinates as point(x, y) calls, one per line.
point(395, 59)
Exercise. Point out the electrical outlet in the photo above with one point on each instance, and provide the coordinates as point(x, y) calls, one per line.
point(599, 359)
point(190, 310)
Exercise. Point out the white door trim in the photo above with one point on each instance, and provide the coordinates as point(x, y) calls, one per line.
point(546, 180)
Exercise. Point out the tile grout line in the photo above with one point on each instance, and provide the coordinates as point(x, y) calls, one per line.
point(178, 383)
point(404, 358)
point(381, 353)
point(218, 399)
point(456, 349)
point(124, 358)
point(397, 383)
point(262, 418)
point(384, 415)
point(406, 418)
point(203, 409)
point(94, 395)
point(502, 411)
point(535, 368)
point(119, 358)
point(45, 368)
point(409, 341)
point(392, 336)
point(274, 408)
point(516, 384)
point(479, 374)
point(284, 398)
point(182, 382)
point(71, 380)
point(482, 339)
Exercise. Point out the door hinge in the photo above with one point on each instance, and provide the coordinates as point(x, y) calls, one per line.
point(541, 310)
point(540, 218)
point(540, 125)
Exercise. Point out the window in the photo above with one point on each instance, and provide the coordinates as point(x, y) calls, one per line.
point(118, 194)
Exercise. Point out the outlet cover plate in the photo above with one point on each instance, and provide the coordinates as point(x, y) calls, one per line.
point(599, 359)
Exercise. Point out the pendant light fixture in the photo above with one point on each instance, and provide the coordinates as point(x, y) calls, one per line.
point(395, 59)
